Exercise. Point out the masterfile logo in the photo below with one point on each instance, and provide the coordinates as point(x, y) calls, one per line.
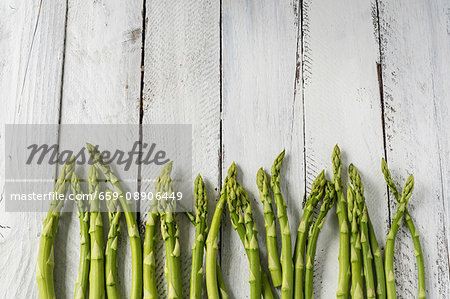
point(36, 155)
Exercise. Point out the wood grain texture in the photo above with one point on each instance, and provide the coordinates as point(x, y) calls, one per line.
point(102, 75)
point(415, 57)
point(181, 86)
point(32, 47)
point(342, 106)
point(261, 115)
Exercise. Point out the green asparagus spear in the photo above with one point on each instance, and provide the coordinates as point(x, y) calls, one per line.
point(317, 190)
point(418, 254)
point(355, 179)
point(133, 233)
point(112, 288)
point(355, 245)
point(170, 234)
point(367, 255)
point(328, 202)
point(242, 221)
point(150, 289)
point(287, 264)
point(212, 246)
point(85, 249)
point(271, 232)
point(45, 262)
point(201, 228)
point(412, 230)
point(343, 219)
point(97, 270)
point(378, 261)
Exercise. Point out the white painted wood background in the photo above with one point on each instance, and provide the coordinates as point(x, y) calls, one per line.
point(253, 77)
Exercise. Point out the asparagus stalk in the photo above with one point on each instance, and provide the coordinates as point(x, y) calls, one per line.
point(287, 264)
point(150, 289)
point(355, 179)
point(367, 255)
point(201, 228)
point(412, 230)
point(271, 232)
point(328, 202)
point(355, 245)
point(45, 262)
point(378, 261)
point(317, 190)
point(83, 214)
point(221, 282)
point(97, 270)
point(242, 221)
point(266, 288)
point(212, 273)
point(170, 233)
point(343, 220)
point(112, 288)
point(375, 249)
point(133, 233)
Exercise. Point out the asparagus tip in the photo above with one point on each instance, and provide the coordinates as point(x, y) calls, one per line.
point(89, 147)
point(232, 170)
point(260, 178)
point(276, 166)
point(409, 187)
point(336, 151)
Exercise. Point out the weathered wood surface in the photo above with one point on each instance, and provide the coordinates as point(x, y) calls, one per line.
point(252, 78)
point(32, 51)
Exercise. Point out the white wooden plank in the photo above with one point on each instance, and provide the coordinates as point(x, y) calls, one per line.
point(262, 114)
point(102, 75)
point(416, 54)
point(342, 106)
point(181, 86)
point(32, 46)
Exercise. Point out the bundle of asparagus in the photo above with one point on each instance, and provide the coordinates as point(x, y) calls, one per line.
point(370, 248)
point(328, 202)
point(133, 233)
point(362, 272)
point(317, 190)
point(271, 232)
point(242, 220)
